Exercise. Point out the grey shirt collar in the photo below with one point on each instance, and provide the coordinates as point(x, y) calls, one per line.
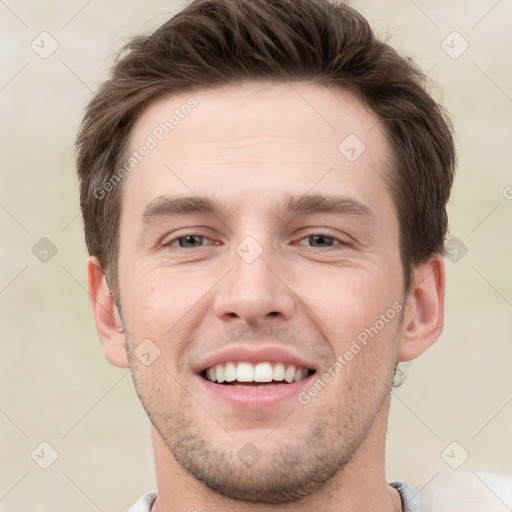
point(411, 501)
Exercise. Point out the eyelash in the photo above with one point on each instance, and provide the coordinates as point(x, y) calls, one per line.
point(327, 234)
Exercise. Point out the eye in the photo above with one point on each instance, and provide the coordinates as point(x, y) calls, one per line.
point(321, 240)
point(197, 240)
point(324, 240)
point(189, 241)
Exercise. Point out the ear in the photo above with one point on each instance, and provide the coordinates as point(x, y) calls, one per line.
point(106, 315)
point(424, 314)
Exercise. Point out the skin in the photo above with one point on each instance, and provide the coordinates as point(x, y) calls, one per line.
point(248, 146)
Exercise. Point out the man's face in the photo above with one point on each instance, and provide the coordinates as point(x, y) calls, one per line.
point(271, 284)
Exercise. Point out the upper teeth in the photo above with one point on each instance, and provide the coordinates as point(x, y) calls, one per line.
point(261, 372)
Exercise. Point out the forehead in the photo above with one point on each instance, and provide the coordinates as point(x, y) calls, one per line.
point(255, 136)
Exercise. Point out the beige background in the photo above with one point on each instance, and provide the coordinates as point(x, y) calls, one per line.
point(55, 384)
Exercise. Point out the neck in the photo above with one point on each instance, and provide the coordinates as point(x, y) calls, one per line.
point(359, 485)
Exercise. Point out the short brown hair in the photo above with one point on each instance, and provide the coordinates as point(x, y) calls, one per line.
point(216, 42)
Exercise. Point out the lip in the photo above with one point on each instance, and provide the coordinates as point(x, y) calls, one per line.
point(253, 355)
point(254, 398)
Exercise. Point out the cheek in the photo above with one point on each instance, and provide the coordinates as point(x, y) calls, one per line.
point(359, 314)
point(347, 299)
point(165, 306)
point(150, 291)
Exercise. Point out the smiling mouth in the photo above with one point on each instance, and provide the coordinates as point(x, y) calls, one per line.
point(244, 374)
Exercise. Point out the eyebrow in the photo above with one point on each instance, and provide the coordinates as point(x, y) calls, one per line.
point(163, 206)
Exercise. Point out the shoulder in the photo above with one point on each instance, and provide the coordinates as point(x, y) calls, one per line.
point(410, 497)
point(144, 503)
point(471, 491)
point(468, 491)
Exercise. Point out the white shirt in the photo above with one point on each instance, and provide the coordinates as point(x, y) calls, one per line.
point(449, 491)
point(410, 499)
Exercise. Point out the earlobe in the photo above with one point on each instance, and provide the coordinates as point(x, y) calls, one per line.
point(424, 315)
point(106, 315)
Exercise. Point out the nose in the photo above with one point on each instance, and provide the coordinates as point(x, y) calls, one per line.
point(255, 290)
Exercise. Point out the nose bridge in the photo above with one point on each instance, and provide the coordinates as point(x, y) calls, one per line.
point(253, 289)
